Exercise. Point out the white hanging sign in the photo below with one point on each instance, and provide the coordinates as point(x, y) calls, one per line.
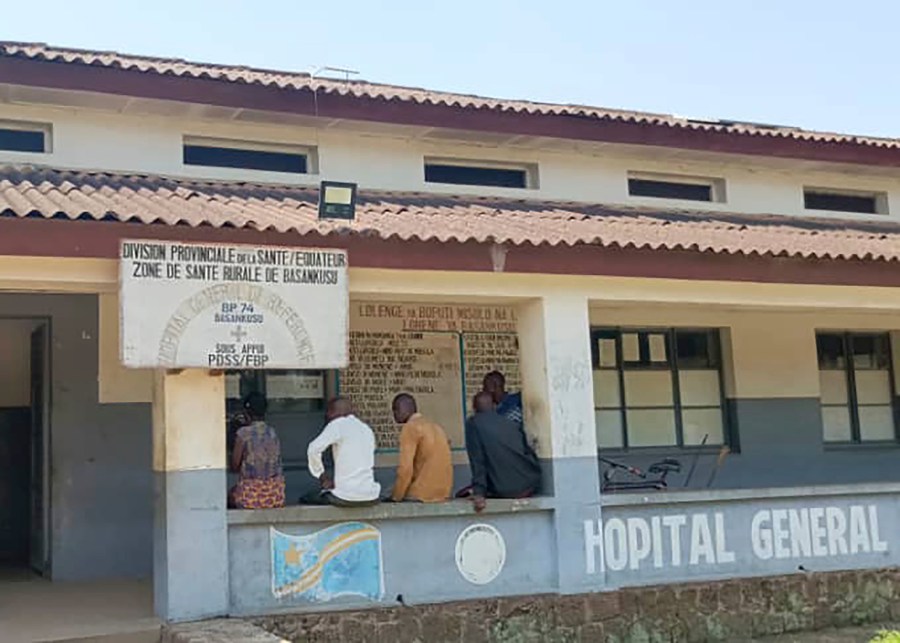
point(217, 306)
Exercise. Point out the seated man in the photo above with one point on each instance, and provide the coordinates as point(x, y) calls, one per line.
point(352, 446)
point(503, 465)
point(425, 472)
point(256, 459)
point(508, 404)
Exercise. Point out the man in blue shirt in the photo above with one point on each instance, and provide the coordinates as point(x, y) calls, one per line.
point(509, 405)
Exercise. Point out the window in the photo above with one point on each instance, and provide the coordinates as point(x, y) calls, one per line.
point(247, 156)
point(296, 405)
point(24, 137)
point(846, 201)
point(856, 387)
point(657, 387)
point(287, 391)
point(685, 188)
point(480, 173)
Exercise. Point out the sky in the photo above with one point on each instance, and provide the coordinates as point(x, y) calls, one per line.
point(818, 64)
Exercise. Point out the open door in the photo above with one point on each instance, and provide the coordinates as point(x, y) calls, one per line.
point(39, 550)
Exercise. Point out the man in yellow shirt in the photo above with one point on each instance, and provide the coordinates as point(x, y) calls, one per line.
point(425, 472)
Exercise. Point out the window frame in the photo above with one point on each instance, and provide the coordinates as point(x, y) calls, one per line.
point(306, 151)
point(852, 404)
point(880, 200)
point(716, 185)
point(45, 129)
point(257, 380)
point(671, 365)
point(529, 170)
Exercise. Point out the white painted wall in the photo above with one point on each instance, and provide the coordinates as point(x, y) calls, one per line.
point(94, 139)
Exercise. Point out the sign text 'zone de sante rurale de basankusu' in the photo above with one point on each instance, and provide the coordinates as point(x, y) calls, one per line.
point(217, 306)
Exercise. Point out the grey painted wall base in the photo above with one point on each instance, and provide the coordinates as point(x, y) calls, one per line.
point(739, 535)
point(577, 498)
point(190, 545)
point(546, 476)
point(557, 545)
point(418, 558)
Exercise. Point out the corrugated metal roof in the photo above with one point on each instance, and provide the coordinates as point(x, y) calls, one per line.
point(27, 191)
point(363, 89)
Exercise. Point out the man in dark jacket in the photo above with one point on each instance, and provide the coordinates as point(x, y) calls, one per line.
point(503, 464)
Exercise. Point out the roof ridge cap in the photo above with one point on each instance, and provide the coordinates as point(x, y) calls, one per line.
point(53, 49)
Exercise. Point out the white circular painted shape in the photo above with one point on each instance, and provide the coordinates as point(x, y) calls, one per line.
point(480, 553)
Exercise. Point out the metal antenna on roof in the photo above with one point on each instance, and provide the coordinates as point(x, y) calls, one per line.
point(315, 90)
point(336, 70)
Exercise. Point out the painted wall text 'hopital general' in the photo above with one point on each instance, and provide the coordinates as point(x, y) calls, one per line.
point(675, 540)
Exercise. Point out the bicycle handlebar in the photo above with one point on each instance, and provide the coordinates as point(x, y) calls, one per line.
point(618, 465)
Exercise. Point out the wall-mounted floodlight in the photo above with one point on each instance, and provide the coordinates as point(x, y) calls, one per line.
point(337, 200)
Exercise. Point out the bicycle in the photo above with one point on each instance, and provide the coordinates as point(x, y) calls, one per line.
point(640, 480)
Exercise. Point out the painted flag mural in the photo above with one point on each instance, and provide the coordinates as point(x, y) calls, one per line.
point(342, 560)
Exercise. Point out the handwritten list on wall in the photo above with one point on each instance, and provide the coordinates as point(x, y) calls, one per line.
point(424, 349)
point(486, 352)
point(383, 364)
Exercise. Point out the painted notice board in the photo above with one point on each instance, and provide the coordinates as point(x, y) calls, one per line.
point(218, 306)
point(437, 352)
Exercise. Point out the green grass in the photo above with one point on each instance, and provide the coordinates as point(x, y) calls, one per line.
point(885, 636)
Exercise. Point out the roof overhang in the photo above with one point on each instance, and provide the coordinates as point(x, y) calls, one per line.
point(50, 212)
point(503, 124)
point(95, 239)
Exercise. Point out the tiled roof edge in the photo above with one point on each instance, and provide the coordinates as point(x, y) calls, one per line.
point(362, 89)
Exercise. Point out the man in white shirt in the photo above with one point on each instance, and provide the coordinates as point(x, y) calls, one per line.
point(353, 451)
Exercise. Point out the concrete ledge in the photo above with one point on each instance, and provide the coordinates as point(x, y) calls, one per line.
point(385, 511)
point(218, 631)
point(645, 498)
point(406, 510)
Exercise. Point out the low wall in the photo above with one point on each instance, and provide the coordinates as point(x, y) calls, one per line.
point(407, 552)
point(642, 539)
point(733, 610)
point(318, 559)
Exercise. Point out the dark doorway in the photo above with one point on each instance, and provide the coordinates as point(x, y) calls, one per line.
point(15, 483)
point(24, 404)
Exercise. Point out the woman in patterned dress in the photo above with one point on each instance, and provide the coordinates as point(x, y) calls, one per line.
point(257, 460)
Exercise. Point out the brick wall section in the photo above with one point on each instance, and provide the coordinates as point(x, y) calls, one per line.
point(715, 611)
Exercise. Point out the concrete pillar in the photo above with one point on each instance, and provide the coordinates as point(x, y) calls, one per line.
point(558, 392)
point(190, 530)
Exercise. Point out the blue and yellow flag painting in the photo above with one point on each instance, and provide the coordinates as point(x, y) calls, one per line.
point(338, 561)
